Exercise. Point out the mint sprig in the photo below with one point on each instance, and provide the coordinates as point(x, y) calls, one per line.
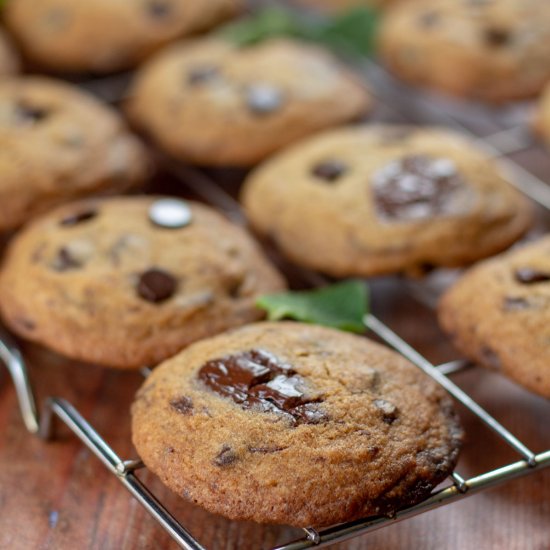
point(342, 306)
point(351, 33)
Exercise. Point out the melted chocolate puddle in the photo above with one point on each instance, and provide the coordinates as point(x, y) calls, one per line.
point(257, 380)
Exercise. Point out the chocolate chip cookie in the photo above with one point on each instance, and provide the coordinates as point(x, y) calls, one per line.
point(129, 281)
point(498, 314)
point(105, 35)
point(59, 143)
point(212, 103)
point(8, 58)
point(295, 424)
point(491, 50)
point(384, 199)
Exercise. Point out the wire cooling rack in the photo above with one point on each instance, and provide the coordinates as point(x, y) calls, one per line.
point(399, 102)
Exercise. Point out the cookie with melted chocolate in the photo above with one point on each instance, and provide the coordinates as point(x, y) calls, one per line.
point(385, 199)
point(295, 424)
point(129, 281)
point(498, 314)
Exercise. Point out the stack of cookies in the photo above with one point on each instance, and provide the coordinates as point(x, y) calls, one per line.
point(272, 422)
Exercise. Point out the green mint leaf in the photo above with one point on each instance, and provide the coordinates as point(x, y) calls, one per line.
point(269, 23)
point(351, 33)
point(342, 305)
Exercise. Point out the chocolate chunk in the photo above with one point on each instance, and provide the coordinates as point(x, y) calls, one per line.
point(65, 261)
point(29, 114)
point(183, 405)
point(515, 304)
point(263, 99)
point(389, 410)
point(159, 8)
point(256, 379)
point(309, 413)
point(225, 457)
point(529, 276)
point(156, 285)
point(497, 37)
point(329, 170)
point(202, 75)
point(78, 217)
point(282, 391)
point(416, 187)
point(428, 19)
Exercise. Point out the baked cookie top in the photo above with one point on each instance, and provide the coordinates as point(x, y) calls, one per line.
point(384, 199)
point(295, 424)
point(58, 143)
point(129, 281)
point(498, 314)
point(493, 50)
point(210, 102)
point(106, 35)
point(9, 63)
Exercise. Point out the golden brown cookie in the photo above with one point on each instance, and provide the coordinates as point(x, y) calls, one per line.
point(498, 314)
point(9, 63)
point(58, 143)
point(384, 199)
point(106, 35)
point(129, 281)
point(212, 103)
point(295, 424)
point(489, 49)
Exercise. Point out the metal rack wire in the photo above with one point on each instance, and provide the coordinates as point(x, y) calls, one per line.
point(499, 144)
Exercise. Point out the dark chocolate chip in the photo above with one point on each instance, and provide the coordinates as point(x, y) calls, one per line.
point(515, 303)
point(225, 457)
point(529, 276)
point(257, 380)
point(159, 8)
point(329, 170)
point(78, 217)
point(309, 413)
point(156, 285)
point(25, 324)
point(183, 405)
point(263, 99)
point(29, 114)
point(64, 261)
point(202, 75)
point(416, 187)
point(389, 410)
point(497, 37)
